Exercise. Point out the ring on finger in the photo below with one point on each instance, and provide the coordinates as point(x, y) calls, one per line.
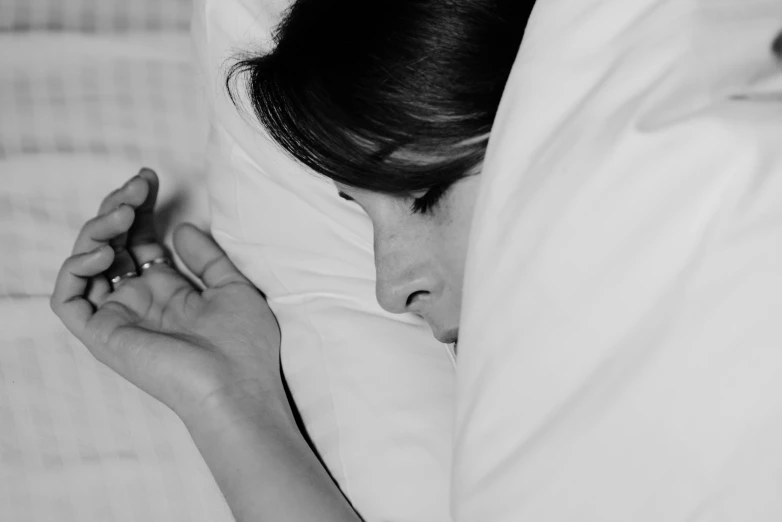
point(116, 280)
point(162, 260)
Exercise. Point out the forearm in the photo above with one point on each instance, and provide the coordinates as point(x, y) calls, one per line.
point(264, 467)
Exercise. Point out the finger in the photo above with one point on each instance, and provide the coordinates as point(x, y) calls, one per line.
point(138, 243)
point(134, 193)
point(123, 262)
point(68, 300)
point(143, 241)
point(143, 230)
point(100, 230)
point(205, 258)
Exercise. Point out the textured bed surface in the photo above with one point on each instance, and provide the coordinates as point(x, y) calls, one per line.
point(80, 444)
point(93, 15)
point(85, 100)
point(70, 98)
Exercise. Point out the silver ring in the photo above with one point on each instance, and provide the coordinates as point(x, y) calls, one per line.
point(163, 260)
point(122, 277)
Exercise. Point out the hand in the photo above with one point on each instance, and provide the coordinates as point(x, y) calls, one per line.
point(187, 348)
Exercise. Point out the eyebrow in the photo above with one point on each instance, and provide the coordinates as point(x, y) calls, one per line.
point(344, 196)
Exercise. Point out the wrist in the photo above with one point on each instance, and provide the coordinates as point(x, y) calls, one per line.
point(261, 462)
point(239, 404)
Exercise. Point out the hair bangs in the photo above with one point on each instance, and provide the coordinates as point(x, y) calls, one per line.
point(403, 100)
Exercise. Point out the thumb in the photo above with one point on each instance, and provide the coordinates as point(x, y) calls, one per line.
point(204, 258)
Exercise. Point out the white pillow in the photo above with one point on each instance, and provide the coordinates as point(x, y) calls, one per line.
point(375, 390)
point(621, 342)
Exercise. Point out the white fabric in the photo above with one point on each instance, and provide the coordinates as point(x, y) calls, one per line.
point(375, 390)
point(79, 114)
point(106, 103)
point(621, 342)
point(94, 15)
point(81, 444)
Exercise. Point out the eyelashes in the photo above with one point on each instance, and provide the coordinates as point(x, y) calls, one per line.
point(420, 205)
point(428, 201)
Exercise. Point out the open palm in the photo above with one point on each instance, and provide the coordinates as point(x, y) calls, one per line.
point(181, 344)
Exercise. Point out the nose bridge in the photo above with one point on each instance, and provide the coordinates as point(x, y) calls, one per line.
point(401, 271)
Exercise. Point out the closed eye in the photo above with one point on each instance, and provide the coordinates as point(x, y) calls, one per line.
point(345, 196)
point(428, 200)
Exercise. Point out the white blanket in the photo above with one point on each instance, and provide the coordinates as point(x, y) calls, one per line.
point(621, 345)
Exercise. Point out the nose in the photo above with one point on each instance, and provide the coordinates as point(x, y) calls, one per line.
point(402, 296)
point(404, 283)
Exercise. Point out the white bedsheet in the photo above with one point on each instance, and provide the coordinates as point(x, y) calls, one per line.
point(79, 114)
point(80, 444)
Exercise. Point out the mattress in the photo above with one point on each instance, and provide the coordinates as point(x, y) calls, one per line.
point(82, 108)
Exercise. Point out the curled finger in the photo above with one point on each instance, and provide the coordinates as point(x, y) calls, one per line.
point(68, 299)
point(101, 229)
point(134, 193)
point(143, 242)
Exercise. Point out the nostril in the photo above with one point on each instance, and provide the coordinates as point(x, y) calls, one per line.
point(412, 297)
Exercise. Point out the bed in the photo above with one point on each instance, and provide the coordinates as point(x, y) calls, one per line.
point(89, 92)
point(86, 97)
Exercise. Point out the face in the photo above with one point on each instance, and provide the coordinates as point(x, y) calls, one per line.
point(420, 256)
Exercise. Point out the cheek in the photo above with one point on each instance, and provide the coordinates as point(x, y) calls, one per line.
point(435, 243)
point(401, 238)
point(454, 229)
point(452, 243)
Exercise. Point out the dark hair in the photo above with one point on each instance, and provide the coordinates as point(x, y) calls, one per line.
point(386, 95)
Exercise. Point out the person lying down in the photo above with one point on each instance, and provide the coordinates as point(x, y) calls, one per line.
point(397, 109)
